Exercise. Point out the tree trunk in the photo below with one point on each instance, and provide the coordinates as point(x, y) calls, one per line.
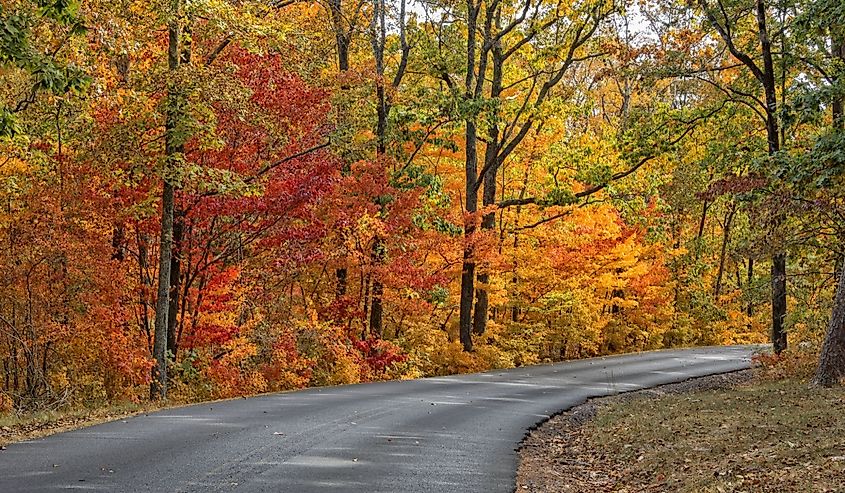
point(838, 107)
point(488, 222)
point(491, 155)
point(341, 36)
point(467, 282)
point(146, 283)
point(376, 307)
point(699, 236)
point(175, 282)
point(378, 253)
point(342, 45)
point(831, 369)
point(778, 301)
point(726, 238)
point(158, 384)
point(340, 286)
point(178, 228)
point(471, 176)
point(118, 243)
point(779, 340)
point(748, 286)
point(703, 220)
point(468, 267)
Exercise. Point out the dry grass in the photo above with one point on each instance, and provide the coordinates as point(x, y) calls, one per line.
point(14, 428)
point(767, 435)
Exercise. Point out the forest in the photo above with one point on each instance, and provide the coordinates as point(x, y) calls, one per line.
point(203, 199)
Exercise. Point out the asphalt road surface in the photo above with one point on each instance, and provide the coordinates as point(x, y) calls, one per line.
point(448, 434)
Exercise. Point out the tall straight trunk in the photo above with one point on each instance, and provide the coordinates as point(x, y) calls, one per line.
point(376, 307)
point(468, 266)
point(838, 120)
point(341, 36)
point(831, 369)
point(342, 45)
point(158, 384)
point(779, 339)
point(766, 78)
point(178, 225)
point(488, 222)
point(471, 190)
point(379, 41)
point(378, 252)
point(175, 282)
point(778, 302)
point(491, 155)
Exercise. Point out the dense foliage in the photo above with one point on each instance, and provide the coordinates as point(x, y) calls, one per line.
point(349, 191)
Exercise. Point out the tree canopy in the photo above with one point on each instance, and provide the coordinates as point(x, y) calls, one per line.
point(222, 198)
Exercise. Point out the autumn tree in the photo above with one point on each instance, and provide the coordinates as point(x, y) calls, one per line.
point(821, 27)
point(726, 21)
point(497, 35)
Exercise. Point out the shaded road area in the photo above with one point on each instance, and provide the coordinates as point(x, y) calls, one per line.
point(447, 434)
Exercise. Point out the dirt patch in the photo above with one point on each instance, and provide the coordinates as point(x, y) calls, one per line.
point(724, 433)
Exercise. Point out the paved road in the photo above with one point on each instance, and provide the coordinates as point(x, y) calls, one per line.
point(449, 434)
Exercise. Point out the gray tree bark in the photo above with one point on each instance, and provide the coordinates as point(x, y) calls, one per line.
point(158, 384)
point(831, 369)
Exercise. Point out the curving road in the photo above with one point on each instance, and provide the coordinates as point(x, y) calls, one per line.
point(449, 434)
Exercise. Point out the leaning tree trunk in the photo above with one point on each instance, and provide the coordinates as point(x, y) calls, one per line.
point(831, 368)
point(726, 238)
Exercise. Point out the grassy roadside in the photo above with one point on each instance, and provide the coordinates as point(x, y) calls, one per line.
point(15, 428)
point(764, 436)
point(773, 433)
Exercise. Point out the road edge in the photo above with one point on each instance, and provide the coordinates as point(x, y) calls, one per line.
point(580, 414)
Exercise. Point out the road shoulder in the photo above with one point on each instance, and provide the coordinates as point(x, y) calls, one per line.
point(558, 455)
